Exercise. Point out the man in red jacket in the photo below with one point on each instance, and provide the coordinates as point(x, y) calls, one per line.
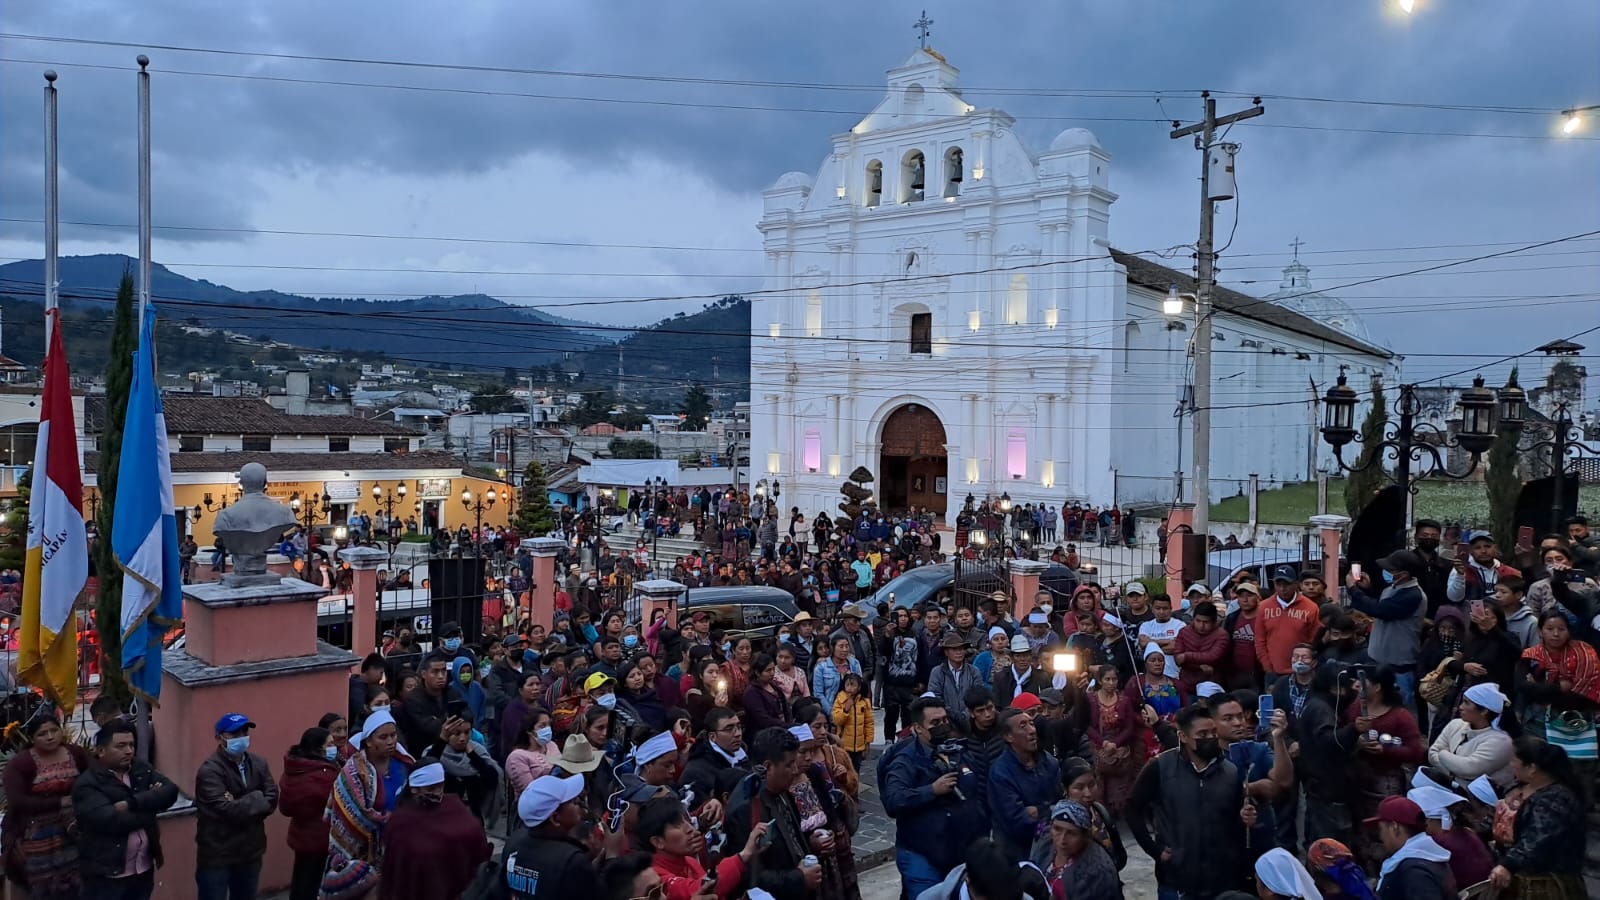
point(1284, 621)
point(1201, 649)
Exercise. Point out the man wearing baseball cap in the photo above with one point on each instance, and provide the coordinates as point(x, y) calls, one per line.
point(1417, 868)
point(1284, 620)
point(543, 860)
point(1397, 612)
point(233, 795)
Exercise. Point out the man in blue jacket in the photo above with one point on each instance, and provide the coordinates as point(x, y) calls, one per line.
point(932, 796)
point(1023, 783)
point(1396, 639)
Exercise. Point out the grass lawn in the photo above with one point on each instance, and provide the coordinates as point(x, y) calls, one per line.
point(1447, 501)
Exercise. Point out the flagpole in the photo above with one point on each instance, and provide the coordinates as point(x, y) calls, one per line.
point(141, 722)
point(52, 207)
point(144, 185)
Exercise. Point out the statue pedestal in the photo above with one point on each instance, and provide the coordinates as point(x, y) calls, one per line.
point(250, 650)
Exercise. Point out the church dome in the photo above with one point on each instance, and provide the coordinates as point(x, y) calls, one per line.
point(791, 180)
point(1075, 138)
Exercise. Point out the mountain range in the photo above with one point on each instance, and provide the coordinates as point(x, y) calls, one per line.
point(468, 330)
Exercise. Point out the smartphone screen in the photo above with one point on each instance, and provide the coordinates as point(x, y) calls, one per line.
point(1525, 536)
point(1462, 551)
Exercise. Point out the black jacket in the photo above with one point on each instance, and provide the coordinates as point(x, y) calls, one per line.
point(1326, 750)
point(232, 831)
point(1418, 879)
point(535, 867)
point(1196, 816)
point(704, 768)
point(103, 830)
point(776, 868)
point(420, 717)
point(981, 750)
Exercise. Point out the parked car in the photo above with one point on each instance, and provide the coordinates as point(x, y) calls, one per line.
point(937, 582)
point(749, 611)
point(1222, 566)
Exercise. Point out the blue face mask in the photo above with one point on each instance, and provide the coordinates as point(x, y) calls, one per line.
point(237, 746)
point(783, 638)
point(727, 648)
point(544, 735)
point(452, 644)
point(483, 669)
point(1388, 577)
point(330, 753)
point(630, 640)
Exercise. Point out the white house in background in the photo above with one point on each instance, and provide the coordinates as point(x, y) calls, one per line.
point(942, 306)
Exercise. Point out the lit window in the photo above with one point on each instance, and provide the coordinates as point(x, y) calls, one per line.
point(812, 454)
point(814, 314)
point(1017, 300)
point(1017, 453)
point(922, 332)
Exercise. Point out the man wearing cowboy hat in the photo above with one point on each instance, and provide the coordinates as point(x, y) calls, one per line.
point(800, 643)
point(950, 680)
point(860, 642)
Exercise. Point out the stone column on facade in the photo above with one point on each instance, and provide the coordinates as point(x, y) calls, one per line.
point(1330, 530)
point(974, 472)
point(542, 592)
point(364, 564)
point(1045, 412)
point(774, 454)
point(1025, 574)
point(1180, 521)
point(1058, 440)
point(975, 310)
point(836, 440)
point(658, 594)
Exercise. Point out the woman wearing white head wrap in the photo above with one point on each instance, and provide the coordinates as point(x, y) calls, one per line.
point(1279, 872)
point(1470, 861)
point(1472, 744)
point(363, 797)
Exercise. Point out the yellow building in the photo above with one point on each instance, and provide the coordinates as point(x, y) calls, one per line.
point(308, 457)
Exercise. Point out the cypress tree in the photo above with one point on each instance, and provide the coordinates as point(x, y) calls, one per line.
point(535, 516)
point(119, 382)
point(1362, 486)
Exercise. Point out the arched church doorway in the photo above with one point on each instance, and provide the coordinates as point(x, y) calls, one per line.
point(912, 464)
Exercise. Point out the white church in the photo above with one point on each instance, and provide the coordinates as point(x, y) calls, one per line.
point(942, 306)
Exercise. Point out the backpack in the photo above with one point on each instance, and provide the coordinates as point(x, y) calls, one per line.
point(889, 753)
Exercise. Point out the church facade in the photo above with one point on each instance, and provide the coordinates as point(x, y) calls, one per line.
point(942, 306)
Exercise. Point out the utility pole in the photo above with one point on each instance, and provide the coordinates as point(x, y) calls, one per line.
point(1220, 158)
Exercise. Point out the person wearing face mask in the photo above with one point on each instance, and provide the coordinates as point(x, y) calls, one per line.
point(309, 771)
point(535, 755)
point(234, 793)
point(1189, 814)
point(432, 846)
point(1397, 612)
point(451, 642)
point(933, 797)
point(1434, 577)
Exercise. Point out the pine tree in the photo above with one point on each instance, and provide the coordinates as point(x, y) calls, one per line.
point(119, 382)
point(535, 516)
point(1502, 482)
point(1364, 484)
point(696, 408)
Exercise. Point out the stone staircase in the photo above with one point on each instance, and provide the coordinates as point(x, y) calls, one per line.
point(665, 551)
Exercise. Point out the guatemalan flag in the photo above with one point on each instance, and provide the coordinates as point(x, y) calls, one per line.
point(57, 562)
point(144, 528)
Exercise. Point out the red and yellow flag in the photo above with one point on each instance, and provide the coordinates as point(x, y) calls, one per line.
point(57, 564)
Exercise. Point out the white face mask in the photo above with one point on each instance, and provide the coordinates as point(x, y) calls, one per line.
point(607, 700)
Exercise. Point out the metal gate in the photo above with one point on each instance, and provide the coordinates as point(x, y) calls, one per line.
point(979, 578)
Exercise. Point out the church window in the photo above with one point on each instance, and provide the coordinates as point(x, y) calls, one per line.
point(952, 172)
point(814, 314)
point(874, 182)
point(922, 332)
point(1130, 336)
point(911, 103)
point(811, 453)
point(1017, 300)
point(913, 177)
point(1017, 453)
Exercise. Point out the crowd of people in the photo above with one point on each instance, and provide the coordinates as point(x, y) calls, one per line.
point(1419, 729)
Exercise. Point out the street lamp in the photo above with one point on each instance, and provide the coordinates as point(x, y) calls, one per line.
point(1572, 119)
point(387, 500)
point(1412, 443)
point(1563, 443)
point(477, 508)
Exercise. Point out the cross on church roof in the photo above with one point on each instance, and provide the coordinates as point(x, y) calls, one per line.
point(1297, 244)
point(923, 27)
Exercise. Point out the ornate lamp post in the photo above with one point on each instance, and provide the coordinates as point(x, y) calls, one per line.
point(387, 500)
point(477, 508)
point(1563, 442)
point(1418, 449)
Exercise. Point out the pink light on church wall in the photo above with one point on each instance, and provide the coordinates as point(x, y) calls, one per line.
point(1017, 453)
point(811, 454)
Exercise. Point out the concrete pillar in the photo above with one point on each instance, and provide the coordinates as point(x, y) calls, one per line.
point(542, 593)
point(253, 650)
point(1024, 584)
point(1180, 521)
point(364, 563)
point(1330, 528)
point(658, 593)
point(1322, 493)
point(1252, 501)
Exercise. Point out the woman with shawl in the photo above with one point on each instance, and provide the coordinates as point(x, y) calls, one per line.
point(1558, 687)
point(1075, 866)
point(823, 806)
point(363, 796)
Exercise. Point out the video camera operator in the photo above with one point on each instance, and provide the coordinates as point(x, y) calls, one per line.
point(932, 794)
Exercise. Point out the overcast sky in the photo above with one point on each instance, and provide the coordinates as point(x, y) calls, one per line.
point(648, 185)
